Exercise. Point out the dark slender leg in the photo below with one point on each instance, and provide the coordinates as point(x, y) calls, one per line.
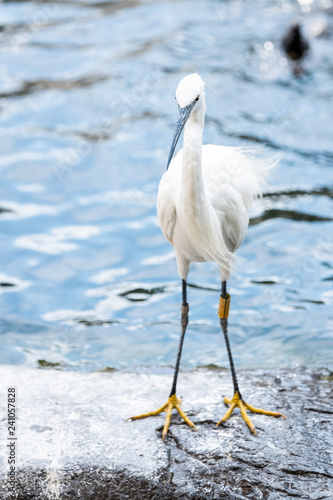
point(237, 400)
point(184, 321)
point(173, 402)
point(224, 325)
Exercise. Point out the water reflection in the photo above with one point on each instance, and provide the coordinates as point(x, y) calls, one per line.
point(288, 214)
point(12, 284)
point(55, 243)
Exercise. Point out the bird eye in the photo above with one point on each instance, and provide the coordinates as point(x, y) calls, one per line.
point(196, 99)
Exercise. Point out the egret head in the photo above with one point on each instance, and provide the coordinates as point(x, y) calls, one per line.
point(190, 96)
point(189, 90)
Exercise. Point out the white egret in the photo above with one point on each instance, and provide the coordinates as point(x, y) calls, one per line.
point(203, 206)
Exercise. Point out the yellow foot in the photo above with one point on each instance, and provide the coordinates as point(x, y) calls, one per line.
point(237, 401)
point(173, 402)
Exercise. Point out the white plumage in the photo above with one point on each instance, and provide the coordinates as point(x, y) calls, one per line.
point(203, 205)
point(205, 196)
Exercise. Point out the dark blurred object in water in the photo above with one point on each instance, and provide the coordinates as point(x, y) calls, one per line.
point(294, 43)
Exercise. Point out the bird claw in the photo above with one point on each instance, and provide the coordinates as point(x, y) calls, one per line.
point(172, 403)
point(237, 401)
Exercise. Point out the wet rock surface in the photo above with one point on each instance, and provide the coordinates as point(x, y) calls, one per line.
point(74, 441)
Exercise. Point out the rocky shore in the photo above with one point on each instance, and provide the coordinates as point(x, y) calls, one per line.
point(73, 440)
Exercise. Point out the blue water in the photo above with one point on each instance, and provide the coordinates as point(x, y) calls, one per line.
point(87, 115)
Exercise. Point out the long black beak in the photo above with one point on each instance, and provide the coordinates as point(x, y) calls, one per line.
point(183, 115)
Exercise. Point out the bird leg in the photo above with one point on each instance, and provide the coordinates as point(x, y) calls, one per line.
point(237, 400)
point(173, 402)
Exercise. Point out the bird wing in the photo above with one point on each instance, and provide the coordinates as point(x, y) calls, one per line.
point(231, 183)
point(232, 179)
point(166, 210)
point(232, 214)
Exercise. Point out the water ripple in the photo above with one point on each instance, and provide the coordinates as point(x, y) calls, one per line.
point(11, 210)
point(86, 92)
point(56, 242)
point(12, 284)
point(39, 85)
point(288, 214)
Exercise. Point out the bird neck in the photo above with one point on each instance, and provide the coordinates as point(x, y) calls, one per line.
point(193, 194)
